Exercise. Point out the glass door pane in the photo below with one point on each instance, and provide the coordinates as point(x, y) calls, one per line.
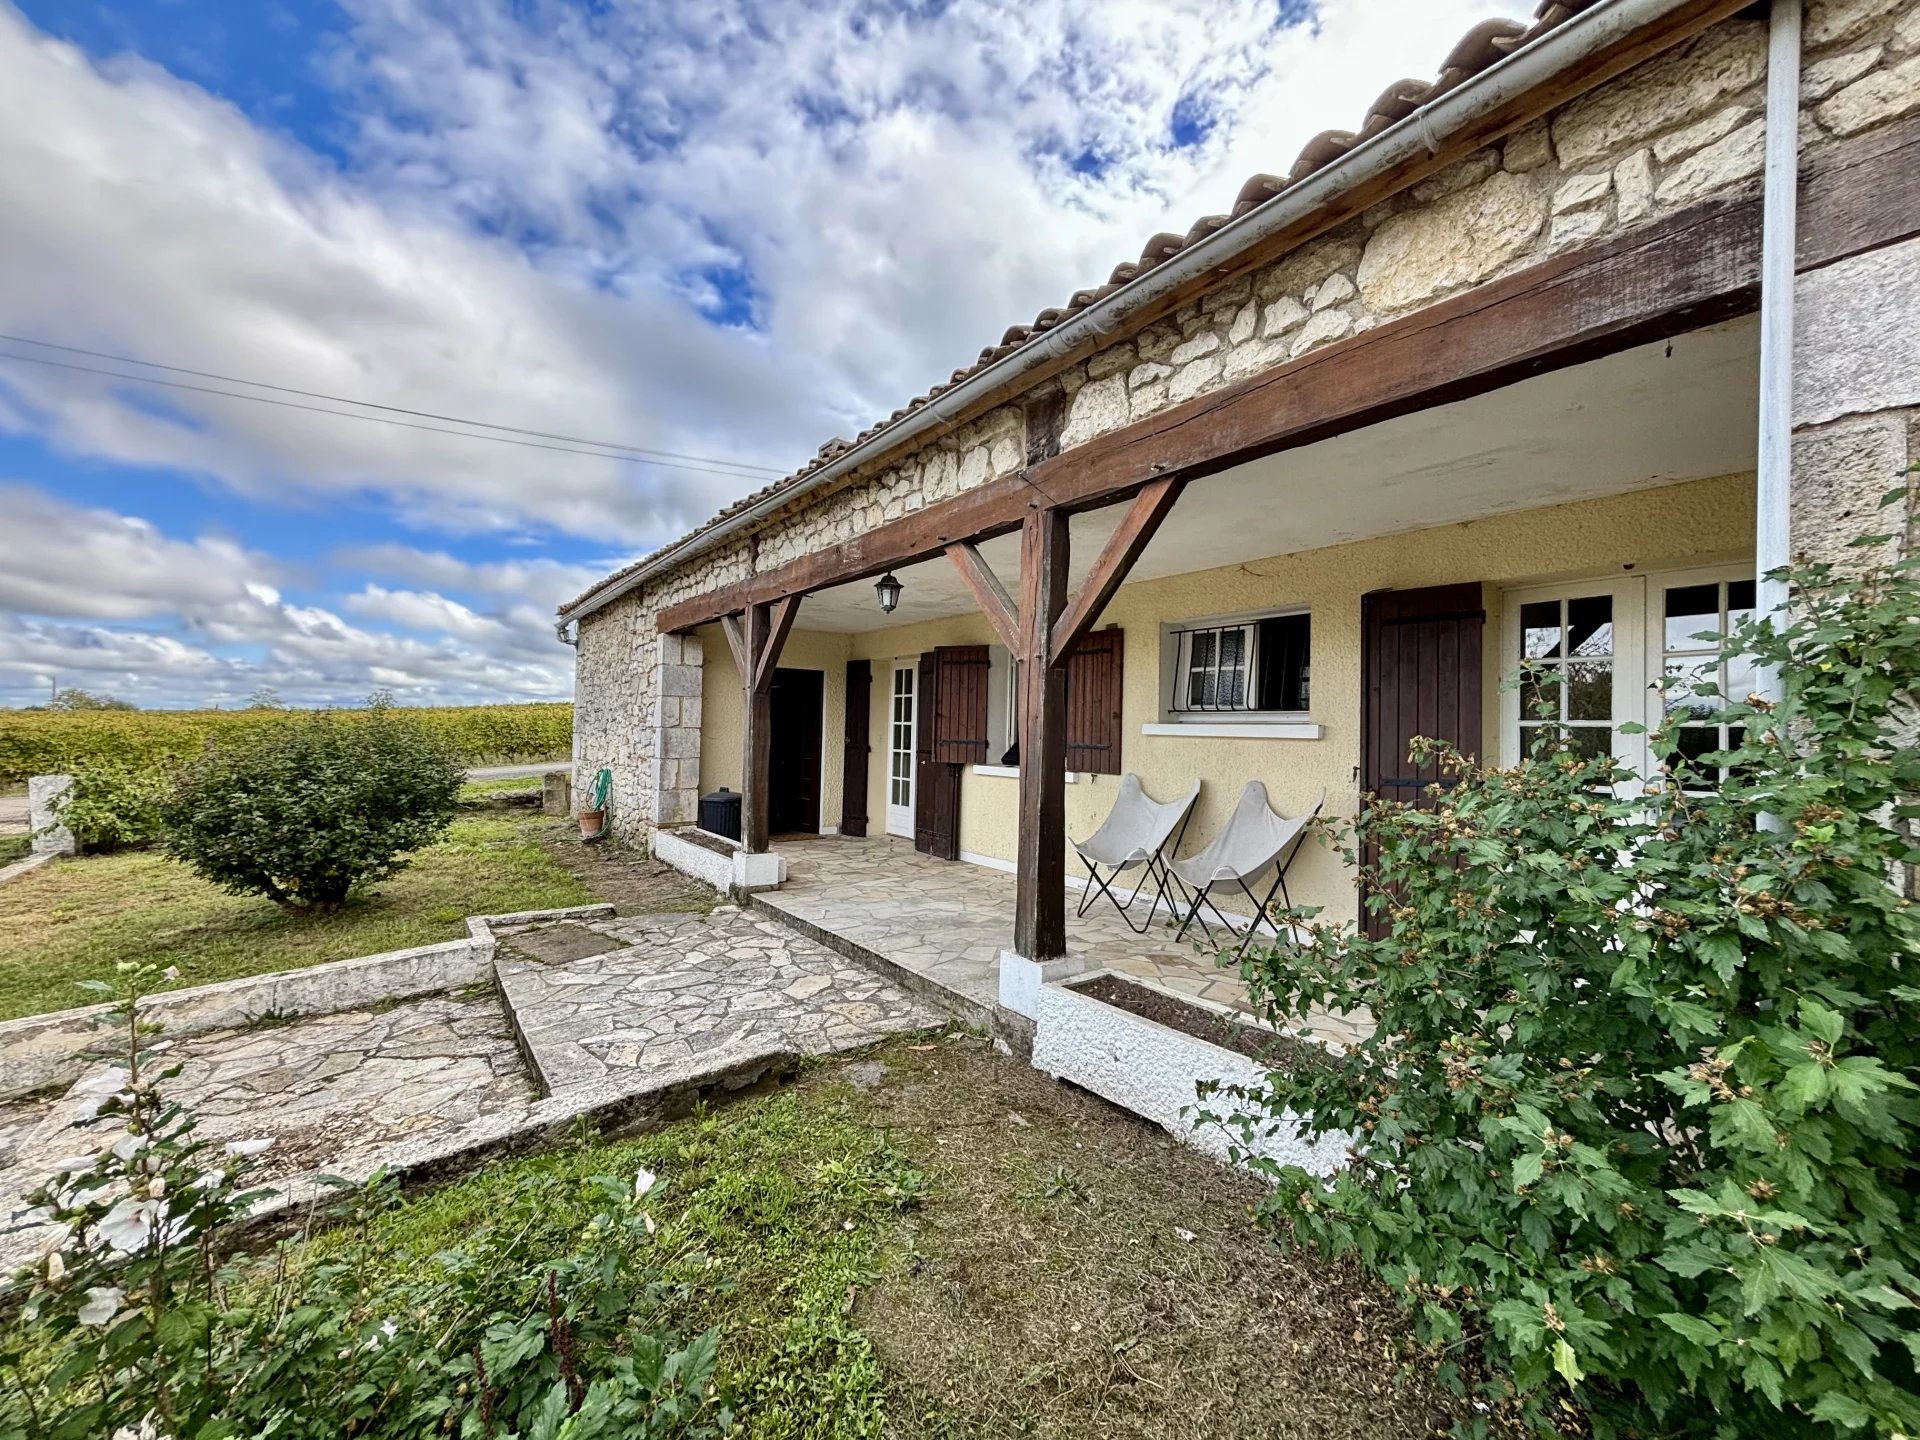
point(1569, 657)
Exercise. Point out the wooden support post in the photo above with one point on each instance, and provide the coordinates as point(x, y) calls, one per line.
point(1040, 903)
point(756, 705)
point(756, 652)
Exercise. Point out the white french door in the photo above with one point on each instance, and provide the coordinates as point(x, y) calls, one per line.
point(1609, 644)
point(902, 719)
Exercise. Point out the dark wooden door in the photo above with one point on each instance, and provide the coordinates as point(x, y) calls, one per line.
point(936, 784)
point(1420, 661)
point(859, 747)
point(795, 705)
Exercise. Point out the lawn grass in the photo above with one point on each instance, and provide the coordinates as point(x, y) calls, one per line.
point(959, 1248)
point(14, 847)
point(76, 919)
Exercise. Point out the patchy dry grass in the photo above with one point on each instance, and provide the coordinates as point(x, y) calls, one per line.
point(76, 919)
point(957, 1246)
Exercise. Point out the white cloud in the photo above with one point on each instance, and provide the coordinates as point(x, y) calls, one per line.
point(539, 582)
point(213, 625)
point(64, 560)
point(537, 195)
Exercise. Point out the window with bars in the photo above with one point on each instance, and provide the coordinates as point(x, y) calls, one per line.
point(1260, 665)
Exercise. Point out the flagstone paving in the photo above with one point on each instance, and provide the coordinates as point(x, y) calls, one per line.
point(666, 990)
point(332, 1093)
point(947, 921)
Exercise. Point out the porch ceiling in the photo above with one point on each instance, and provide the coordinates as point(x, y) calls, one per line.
point(1632, 421)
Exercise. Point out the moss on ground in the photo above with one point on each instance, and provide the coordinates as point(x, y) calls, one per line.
point(958, 1247)
point(76, 919)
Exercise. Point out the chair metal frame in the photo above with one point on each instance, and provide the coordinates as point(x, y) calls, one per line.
point(1154, 863)
point(1282, 860)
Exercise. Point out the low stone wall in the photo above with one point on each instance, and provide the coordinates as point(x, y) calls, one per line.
point(1155, 1072)
point(38, 1051)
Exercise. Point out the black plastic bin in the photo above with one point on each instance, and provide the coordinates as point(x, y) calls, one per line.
point(720, 813)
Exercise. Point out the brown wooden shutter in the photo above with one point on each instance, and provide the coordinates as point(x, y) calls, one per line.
point(854, 758)
point(1420, 665)
point(1095, 671)
point(960, 704)
point(936, 786)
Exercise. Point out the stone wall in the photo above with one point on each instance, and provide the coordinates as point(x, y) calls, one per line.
point(1686, 125)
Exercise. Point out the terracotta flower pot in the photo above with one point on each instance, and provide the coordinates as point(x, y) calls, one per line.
point(592, 822)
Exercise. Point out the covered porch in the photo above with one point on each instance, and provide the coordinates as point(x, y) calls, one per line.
point(1291, 618)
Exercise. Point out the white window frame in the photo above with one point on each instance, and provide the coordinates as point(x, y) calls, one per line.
point(1242, 723)
point(1638, 654)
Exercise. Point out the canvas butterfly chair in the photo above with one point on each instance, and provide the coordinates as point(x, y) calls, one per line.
point(1255, 837)
point(1134, 834)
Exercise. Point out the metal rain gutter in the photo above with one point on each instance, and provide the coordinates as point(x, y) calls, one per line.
point(1419, 134)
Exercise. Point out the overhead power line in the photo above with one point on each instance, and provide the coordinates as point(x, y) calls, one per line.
point(645, 450)
point(381, 419)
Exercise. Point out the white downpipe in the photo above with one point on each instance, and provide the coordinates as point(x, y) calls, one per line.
point(1426, 130)
point(1773, 532)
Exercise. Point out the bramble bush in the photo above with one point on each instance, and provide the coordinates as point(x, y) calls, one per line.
point(139, 1324)
point(305, 810)
point(1640, 1121)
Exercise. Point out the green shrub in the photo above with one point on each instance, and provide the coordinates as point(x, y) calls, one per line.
point(47, 742)
point(116, 807)
point(1640, 1116)
point(134, 1326)
point(305, 810)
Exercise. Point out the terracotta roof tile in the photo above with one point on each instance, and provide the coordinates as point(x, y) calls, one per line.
point(1486, 44)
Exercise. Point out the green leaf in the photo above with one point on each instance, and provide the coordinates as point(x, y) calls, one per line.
point(1842, 1409)
point(1701, 1332)
point(1567, 1363)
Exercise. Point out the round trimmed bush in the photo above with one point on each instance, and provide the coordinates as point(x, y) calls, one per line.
point(305, 810)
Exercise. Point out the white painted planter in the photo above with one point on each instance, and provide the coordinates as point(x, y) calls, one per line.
point(730, 871)
point(1154, 1071)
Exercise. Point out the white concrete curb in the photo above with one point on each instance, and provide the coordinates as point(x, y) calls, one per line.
point(20, 869)
point(1154, 1071)
point(38, 1051)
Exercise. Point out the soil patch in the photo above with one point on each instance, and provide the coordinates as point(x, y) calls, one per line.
point(1074, 1272)
point(633, 882)
point(558, 944)
point(1276, 1052)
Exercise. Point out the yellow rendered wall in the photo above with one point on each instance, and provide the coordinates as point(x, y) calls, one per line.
point(1700, 522)
point(721, 711)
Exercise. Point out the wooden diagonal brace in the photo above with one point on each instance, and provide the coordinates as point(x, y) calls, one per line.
point(778, 622)
point(988, 593)
point(1143, 517)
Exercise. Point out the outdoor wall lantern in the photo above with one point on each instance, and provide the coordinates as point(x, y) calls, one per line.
point(888, 589)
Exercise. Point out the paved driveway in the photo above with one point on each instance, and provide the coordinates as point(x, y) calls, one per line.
point(516, 772)
point(13, 814)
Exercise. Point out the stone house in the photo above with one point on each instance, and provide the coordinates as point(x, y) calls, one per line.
point(1546, 357)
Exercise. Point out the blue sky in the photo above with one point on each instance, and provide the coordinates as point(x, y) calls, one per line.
point(729, 231)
